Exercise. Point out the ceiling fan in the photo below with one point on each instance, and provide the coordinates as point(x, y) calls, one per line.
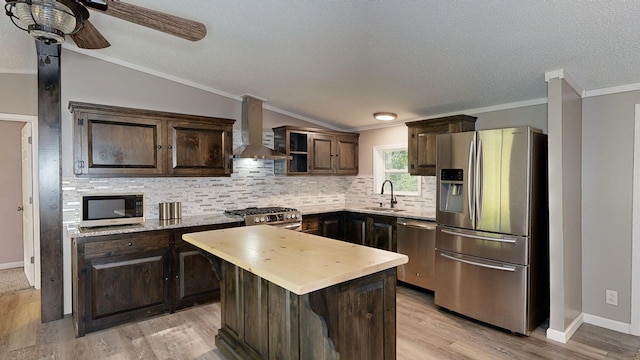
point(51, 20)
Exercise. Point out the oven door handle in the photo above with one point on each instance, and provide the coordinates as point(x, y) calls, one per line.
point(290, 226)
point(494, 267)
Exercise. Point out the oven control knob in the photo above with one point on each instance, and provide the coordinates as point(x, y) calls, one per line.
point(256, 220)
point(262, 219)
point(294, 216)
point(288, 216)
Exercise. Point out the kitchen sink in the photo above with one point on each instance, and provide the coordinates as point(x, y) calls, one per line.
point(378, 208)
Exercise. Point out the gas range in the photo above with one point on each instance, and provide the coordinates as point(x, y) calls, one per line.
point(279, 216)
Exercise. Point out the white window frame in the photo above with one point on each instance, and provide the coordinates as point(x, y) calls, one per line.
point(379, 171)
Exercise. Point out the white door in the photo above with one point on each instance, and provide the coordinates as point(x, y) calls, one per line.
point(27, 204)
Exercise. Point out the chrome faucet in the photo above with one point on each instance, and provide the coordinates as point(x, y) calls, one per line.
point(393, 199)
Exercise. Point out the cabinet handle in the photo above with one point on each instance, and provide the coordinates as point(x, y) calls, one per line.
point(159, 147)
point(177, 276)
point(129, 243)
point(166, 279)
point(170, 147)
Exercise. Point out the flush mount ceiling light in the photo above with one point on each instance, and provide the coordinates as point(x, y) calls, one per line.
point(47, 20)
point(385, 116)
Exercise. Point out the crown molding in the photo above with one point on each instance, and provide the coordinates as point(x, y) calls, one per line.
point(612, 90)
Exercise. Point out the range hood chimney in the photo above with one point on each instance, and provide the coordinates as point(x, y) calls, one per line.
point(252, 147)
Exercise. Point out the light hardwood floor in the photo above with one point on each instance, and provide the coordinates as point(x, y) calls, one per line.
point(424, 332)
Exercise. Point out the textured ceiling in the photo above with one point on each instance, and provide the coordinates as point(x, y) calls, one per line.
point(338, 62)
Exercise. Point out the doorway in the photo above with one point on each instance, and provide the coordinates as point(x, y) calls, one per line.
point(21, 206)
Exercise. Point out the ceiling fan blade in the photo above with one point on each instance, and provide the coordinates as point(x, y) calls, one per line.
point(95, 4)
point(89, 37)
point(170, 24)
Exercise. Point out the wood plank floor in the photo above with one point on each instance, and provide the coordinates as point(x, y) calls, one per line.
point(424, 332)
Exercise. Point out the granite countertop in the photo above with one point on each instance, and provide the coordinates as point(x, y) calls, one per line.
point(291, 259)
point(75, 231)
point(154, 224)
point(427, 215)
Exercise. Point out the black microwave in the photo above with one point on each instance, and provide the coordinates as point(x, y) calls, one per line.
point(112, 209)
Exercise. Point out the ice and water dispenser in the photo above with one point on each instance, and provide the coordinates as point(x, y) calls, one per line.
point(451, 190)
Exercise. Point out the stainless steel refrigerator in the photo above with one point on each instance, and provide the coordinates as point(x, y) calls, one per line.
point(492, 234)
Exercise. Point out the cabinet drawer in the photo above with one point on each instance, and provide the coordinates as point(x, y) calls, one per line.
point(127, 245)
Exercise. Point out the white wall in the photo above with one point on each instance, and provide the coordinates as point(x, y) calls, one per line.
point(534, 116)
point(607, 173)
point(19, 94)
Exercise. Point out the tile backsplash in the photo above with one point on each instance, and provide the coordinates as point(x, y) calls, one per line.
point(252, 184)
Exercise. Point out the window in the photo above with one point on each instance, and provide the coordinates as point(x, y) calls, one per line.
point(390, 163)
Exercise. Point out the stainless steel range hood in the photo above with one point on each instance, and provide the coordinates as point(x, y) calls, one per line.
point(252, 147)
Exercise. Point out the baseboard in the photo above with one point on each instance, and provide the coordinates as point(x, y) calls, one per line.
point(11, 265)
point(614, 325)
point(564, 336)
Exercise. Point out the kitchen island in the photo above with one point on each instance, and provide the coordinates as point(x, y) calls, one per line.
point(291, 295)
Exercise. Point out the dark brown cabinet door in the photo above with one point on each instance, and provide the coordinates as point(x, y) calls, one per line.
point(347, 155)
point(194, 279)
point(323, 151)
point(118, 145)
point(355, 229)
point(332, 226)
point(422, 140)
point(383, 234)
point(122, 278)
point(422, 153)
point(198, 148)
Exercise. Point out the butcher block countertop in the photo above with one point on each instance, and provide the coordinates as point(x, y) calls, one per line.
point(299, 262)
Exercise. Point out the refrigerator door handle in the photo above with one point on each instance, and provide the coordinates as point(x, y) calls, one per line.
point(472, 213)
point(502, 240)
point(494, 267)
point(478, 183)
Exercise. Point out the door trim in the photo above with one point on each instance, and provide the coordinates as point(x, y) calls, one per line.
point(34, 171)
point(635, 229)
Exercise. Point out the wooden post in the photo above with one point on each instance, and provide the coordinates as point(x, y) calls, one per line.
point(49, 159)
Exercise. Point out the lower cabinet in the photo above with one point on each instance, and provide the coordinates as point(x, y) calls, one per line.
point(371, 230)
point(124, 277)
point(120, 278)
point(194, 280)
point(327, 225)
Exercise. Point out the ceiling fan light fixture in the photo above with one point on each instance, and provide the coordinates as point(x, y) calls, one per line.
point(47, 20)
point(385, 116)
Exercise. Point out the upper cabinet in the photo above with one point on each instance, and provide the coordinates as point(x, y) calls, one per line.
point(316, 152)
point(117, 141)
point(422, 140)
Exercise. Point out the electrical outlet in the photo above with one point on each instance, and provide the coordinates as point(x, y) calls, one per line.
point(611, 297)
